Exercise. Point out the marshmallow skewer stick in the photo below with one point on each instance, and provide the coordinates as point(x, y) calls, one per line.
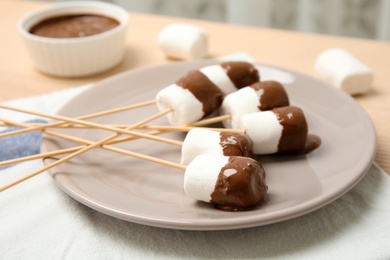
point(96, 125)
point(165, 128)
point(198, 140)
point(79, 140)
point(189, 128)
point(66, 150)
point(117, 140)
point(94, 115)
point(78, 152)
point(40, 156)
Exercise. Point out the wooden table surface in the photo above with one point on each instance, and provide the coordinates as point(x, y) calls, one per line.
point(286, 49)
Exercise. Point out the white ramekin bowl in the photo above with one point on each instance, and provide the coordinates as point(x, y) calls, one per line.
point(75, 57)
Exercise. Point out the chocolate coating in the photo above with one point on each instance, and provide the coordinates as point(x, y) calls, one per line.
point(203, 89)
point(242, 74)
point(240, 185)
point(312, 143)
point(73, 26)
point(294, 134)
point(236, 144)
point(295, 138)
point(271, 94)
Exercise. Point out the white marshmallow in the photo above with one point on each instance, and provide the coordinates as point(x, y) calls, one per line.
point(183, 41)
point(342, 69)
point(217, 75)
point(264, 129)
point(202, 174)
point(236, 104)
point(186, 107)
point(200, 141)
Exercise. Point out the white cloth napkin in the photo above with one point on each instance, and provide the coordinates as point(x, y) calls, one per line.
point(39, 221)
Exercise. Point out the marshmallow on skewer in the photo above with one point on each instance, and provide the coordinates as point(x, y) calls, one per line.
point(259, 96)
point(196, 95)
point(183, 41)
point(233, 75)
point(345, 71)
point(202, 141)
point(280, 130)
point(229, 182)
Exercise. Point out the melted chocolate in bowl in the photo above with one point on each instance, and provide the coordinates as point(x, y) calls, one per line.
point(74, 26)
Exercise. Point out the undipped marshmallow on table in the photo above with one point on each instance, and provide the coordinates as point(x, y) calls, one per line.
point(345, 71)
point(183, 41)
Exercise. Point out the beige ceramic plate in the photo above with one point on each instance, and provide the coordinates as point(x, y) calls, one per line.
point(152, 194)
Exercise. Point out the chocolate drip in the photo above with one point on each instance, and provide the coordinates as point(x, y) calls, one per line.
point(74, 26)
point(203, 89)
point(240, 185)
point(312, 143)
point(271, 95)
point(242, 74)
point(235, 144)
point(294, 134)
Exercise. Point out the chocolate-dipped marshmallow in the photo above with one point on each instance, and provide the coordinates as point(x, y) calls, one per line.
point(200, 92)
point(280, 130)
point(202, 141)
point(259, 96)
point(233, 75)
point(230, 183)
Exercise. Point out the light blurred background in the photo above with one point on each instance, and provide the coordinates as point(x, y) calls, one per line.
point(369, 19)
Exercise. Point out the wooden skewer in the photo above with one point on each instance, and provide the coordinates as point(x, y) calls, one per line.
point(158, 132)
point(211, 120)
point(150, 158)
point(184, 128)
point(67, 137)
point(73, 149)
point(100, 126)
point(165, 128)
point(85, 142)
point(98, 114)
point(74, 154)
point(119, 150)
point(67, 150)
point(66, 125)
point(40, 156)
point(188, 128)
point(95, 125)
point(147, 136)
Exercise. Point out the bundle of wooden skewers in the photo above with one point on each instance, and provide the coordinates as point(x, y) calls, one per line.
point(120, 133)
